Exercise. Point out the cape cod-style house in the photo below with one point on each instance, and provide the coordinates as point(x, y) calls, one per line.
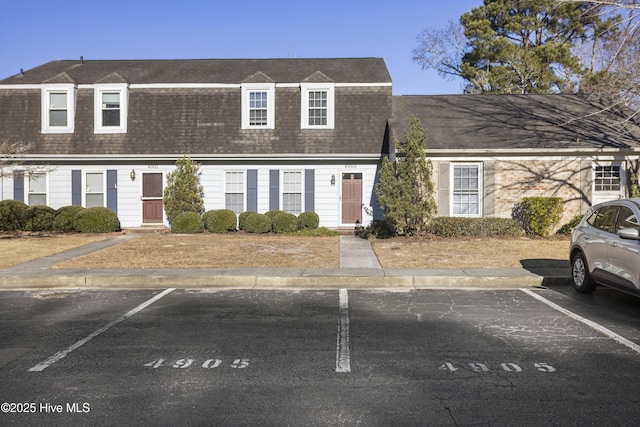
point(296, 135)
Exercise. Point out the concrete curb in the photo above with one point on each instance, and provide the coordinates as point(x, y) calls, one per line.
point(266, 282)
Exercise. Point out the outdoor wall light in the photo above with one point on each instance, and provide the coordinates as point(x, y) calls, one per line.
point(133, 175)
point(333, 180)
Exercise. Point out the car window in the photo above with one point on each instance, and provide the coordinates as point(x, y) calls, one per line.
point(627, 219)
point(604, 218)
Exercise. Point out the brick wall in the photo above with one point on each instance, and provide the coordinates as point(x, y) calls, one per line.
point(506, 182)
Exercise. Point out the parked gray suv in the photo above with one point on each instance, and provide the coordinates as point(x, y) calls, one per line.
point(605, 247)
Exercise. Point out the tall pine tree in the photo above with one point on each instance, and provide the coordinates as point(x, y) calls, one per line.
point(405, 189)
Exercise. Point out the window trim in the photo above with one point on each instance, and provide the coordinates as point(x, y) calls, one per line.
point(306, 88)
point(479, 166)
point(98, 91)
point(27, 186)
point(70, 91)
point(84, 186)
point(244, 188)
point(247, 89)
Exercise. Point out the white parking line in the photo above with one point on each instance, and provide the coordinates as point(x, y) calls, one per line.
point(62, 354)
point(608, 332)
point(343, 353)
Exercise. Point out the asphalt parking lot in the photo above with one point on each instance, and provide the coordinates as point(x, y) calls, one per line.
point(319, 357)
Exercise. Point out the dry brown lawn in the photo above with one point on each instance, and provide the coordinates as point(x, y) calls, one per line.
point(250, 250)
point(214, 251)
point(473, 252)
point(17, 249)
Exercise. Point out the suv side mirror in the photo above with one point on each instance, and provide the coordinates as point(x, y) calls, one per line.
point(629, 233)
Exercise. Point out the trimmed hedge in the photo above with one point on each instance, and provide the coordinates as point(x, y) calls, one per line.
point(39, 218)
point(254, 222)
point(64, 218)
point(541, 214)
point(474, 227)
point(308, 221)
point(187, 223)
point(272, 213)
point(12, 215)
point(285, 223)
point(96, 220)
point(220, 221)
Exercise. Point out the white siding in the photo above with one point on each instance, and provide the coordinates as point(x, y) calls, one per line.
point(327, 196)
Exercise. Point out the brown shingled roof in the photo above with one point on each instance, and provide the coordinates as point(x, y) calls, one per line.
point(226, 71)
point(517, 122)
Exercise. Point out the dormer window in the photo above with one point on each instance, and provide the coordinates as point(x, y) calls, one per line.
point(258, 106)
point(110, 108)
point(58, 108)
point(317, 106)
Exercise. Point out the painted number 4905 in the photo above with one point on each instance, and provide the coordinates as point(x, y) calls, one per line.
point(506, 367)
point(188, 363)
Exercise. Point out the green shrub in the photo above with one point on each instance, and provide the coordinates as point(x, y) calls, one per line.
point(242, 219)
point(40, 218)
point(64, 218)
point(272, 214)
point(568, 227)
point(318, 232)
point(308, 220)
point(12, 215)
point(187, 223)
point(445, 226)
point(285, 223)
point(96, 220)
point(220, 221)
point(541, 214)
point(257, 223)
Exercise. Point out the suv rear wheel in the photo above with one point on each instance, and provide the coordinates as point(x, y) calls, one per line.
point(580, 274)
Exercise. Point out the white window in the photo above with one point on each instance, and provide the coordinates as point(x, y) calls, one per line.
point(234, 191)
point(292, 192)
point(110, 108)
point(466, 185)
point(317, 106)
point(608, 181)
point(94, 189)
point(258, 106)
point(607, 178)
point(58, 108)
point(37, 190)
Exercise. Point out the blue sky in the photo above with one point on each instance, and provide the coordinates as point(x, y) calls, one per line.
point(33, 32)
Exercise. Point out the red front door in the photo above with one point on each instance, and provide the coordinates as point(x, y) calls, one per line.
point(351, 198)
point(152, 212)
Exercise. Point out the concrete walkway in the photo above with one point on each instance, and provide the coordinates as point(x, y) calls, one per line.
point(356, 252)
point(359, 268)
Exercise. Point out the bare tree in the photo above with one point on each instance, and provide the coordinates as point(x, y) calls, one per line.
point(611, 53)
point(9, 155)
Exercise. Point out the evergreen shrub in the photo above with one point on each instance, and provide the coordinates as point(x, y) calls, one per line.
point(256, 223)
point(308, 221)
point(39, 218)
point(96, 220)
point(540, 214)
point(64, 218)
point(220, 221)
point(285, 223)
point(187, 223)
point(242, 219)
point(12, 215)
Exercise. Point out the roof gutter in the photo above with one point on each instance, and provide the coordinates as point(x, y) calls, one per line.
point(156, 158)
